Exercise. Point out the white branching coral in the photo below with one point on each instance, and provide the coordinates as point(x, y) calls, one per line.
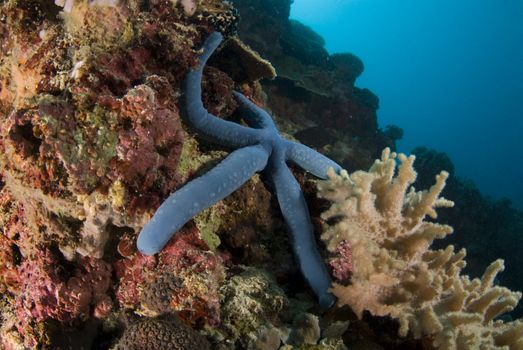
point(394, 271)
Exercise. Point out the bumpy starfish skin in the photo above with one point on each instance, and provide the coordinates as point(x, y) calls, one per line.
point(260, 147)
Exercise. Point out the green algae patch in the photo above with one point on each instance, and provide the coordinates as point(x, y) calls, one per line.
point(208, 223)
point(193, 161)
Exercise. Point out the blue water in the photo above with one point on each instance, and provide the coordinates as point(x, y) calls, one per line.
point(450, 73)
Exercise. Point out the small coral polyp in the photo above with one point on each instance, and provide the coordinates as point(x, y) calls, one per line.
point(394, 272)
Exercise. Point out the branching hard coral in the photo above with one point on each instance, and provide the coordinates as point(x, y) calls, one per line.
point(394, 272)
point(260, 147)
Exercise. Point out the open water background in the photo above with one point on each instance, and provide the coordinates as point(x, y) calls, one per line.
point(449, 73)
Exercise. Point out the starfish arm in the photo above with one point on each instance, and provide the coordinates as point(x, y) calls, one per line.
point(209, 126)
point(310, 160)
point(254, 115)
point(296, 215)
point(199, 194)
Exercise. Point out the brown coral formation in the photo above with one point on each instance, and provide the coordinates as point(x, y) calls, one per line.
point(395, 272)
point(161, 333)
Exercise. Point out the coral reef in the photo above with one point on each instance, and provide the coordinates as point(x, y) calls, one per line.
point(45, 294)
point(93, 133)
point(396, 274)
point(92, 141)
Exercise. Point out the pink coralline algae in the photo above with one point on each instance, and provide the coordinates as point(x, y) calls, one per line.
point(8, 219)
point(150, 143)
point(189, 251)
point(341, 264)
point(13, 229)
point(131, 273)
point(8, 273)
point(47, 293)
point(115, 73)
point(183, 278)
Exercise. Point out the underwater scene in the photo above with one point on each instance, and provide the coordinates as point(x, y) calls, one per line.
point(261, 174)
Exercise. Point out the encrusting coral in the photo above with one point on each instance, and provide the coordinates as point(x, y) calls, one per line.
point(260, 147)
point(394, 272)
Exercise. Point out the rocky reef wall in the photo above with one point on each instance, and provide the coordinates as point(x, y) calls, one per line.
point(93, 140)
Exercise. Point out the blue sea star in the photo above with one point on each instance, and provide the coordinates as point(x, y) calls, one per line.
point(258, 148)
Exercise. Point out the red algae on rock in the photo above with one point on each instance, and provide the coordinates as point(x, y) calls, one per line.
point(94, 84)
point(341, 263)
point(48, 294)
point(10, 216)
point(149, 147)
